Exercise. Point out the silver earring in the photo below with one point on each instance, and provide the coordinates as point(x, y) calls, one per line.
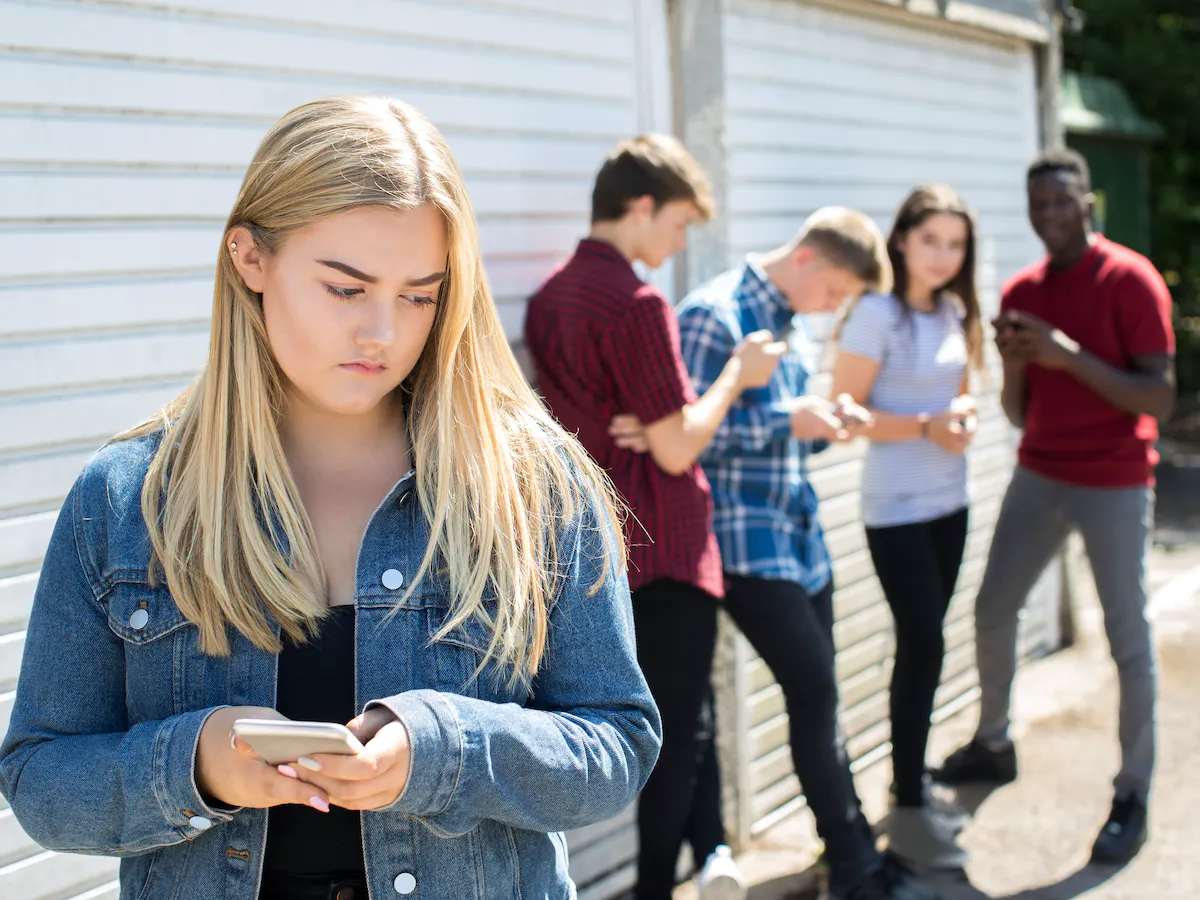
point(233, 248)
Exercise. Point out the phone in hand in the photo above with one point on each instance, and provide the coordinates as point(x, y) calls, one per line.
point(1004, 322)
point(851, 414)
point(284, 740)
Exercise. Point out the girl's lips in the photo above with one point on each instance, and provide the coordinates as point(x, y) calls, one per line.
point(364, 368)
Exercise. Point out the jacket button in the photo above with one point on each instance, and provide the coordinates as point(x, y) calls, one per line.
point(405, 883)
point(200, 823)
point(139, 619)
point(392, 579)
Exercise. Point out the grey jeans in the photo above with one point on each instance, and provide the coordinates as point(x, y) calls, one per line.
point(1035, 518)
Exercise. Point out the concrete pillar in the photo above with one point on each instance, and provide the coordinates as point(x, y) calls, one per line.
point(1050, 65)
point(698, 88)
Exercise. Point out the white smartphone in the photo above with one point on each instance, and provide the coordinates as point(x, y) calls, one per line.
point(285, 741)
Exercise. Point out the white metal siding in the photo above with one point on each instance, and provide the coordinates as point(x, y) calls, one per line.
point(826, 107)
point(125, 127)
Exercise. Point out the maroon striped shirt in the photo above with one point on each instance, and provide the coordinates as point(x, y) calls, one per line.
point(604, 343)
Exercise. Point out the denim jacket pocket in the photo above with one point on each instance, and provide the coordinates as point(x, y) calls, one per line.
point(140, 614)
point(151, 627)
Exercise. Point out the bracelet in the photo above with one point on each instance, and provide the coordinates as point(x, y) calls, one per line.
point(923, 418)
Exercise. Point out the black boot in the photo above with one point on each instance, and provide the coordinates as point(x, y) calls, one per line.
point(1124, 833)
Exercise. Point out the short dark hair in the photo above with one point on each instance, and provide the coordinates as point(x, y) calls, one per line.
point(649, 165)
point(1062, 159)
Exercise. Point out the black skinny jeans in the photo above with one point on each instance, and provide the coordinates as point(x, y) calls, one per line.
point(917, 565)
point(676, 626)
point(793, 633)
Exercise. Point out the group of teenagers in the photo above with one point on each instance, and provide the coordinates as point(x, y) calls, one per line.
point(702, 417)
point(361, 512)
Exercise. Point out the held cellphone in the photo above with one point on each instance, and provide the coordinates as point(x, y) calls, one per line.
point(283, 741)
point(844, 409)
point(1004, 322)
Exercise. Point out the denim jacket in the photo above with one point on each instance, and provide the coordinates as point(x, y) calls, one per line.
point(113, 692)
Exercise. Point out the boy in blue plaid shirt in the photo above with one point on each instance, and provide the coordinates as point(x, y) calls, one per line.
point(779, 587)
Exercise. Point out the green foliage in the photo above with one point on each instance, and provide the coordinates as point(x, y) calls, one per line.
point(1152, 47)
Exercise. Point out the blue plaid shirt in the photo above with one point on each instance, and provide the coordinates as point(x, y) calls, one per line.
point(765, 508)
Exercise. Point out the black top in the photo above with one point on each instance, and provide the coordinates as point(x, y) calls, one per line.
point(316, 684)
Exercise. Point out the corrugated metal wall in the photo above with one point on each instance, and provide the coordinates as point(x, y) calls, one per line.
point(125, 128)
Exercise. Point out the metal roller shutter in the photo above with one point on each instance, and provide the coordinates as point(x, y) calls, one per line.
point(125, 127)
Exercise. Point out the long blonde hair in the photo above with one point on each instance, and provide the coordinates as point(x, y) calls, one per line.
point(496, 475)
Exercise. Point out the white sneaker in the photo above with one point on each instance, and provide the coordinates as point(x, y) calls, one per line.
point(946, 809)
point(721, 879)
point(940, 800)
point(923, 838)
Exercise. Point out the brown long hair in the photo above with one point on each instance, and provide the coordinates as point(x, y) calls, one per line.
point(923, 203)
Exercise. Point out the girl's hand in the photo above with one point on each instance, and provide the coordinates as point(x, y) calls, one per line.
point(371, 779)
point(953, 431)
point(965, 406)
point(234, 775)
point(855, 417)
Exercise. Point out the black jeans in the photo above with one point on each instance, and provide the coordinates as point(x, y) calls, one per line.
point(793, 633)
point(917, 565)
point(676, 627)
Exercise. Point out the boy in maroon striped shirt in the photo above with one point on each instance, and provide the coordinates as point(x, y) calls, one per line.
point(604, 342)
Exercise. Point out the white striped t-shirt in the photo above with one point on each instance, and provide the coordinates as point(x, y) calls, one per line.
point(922, 358)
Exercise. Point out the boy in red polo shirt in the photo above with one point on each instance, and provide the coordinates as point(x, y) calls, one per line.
point(604, 342)
point(1088, 352)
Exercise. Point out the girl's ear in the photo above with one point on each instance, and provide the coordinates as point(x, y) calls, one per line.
point(247, 257)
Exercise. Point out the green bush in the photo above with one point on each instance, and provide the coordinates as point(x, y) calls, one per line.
point(1152, 47)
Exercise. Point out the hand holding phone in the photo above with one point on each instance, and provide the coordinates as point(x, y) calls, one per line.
point(236, 778)
point(1005, 322)
point(370, 779)
point(851, 414)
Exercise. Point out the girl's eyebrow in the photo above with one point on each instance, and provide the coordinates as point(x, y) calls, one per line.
point(432, 278)
point(349, 270)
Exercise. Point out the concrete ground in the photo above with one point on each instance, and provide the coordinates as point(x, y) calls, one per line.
point(1030, 840)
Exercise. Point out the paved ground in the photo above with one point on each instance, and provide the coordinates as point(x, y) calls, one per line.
point(1030, 840)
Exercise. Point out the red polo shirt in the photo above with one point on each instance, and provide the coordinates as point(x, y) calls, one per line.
point(1117, 306)
point(604, 343)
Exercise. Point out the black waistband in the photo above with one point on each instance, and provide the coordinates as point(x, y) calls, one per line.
point(336, 886)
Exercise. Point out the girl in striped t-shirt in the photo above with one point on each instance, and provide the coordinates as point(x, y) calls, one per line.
point(906, 356)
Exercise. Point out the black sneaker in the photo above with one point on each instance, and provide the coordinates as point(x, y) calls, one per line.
point(977, 764)
point(891, 881)
point(1123, 834)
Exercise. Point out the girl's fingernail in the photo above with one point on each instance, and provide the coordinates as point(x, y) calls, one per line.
point(311, 764)
point(288, 771)
point(318, 804)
